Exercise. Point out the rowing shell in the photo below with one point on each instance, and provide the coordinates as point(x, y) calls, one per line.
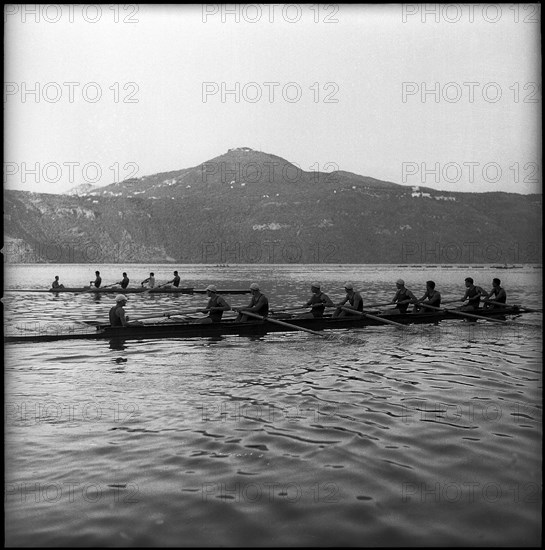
point(255, 328)
point(117, 290)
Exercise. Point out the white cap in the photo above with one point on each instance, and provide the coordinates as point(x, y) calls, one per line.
point(348, 286)
point(315, 285)
point(400, 282)
point(120, 298)
point(254, 286)
point(212, 288)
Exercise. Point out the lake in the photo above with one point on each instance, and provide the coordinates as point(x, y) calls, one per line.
point(425, 436)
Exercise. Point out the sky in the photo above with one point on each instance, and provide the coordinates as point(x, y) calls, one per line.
point(446, 96)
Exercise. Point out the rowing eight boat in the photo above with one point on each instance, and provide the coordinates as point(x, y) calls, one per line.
point(118, 290)
point(255, 328)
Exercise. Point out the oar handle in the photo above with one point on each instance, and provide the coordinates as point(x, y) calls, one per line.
point(155, 287)
point(503, 304)
point(147, 281)
point(377, 305)
point(168, 314)
point(289, 308)
point(296, 307)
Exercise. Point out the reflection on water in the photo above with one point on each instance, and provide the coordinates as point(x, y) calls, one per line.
point(427, 435)
point(118, 343)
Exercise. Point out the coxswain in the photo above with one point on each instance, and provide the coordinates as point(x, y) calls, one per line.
point(124, 282)
point(354, 300)
point(259, 304)
point(176, 281)
point(98, 280)
point(215, 307)
point(473, 294)
point(403, 297)
point(432, 298)
point(318, 302)
point(498, 293)
point(150, 280)
point(56, 284)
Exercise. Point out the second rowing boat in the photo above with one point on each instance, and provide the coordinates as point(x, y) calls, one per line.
point(118, 290)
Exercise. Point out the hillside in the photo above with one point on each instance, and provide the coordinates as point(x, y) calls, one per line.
point(251, 207)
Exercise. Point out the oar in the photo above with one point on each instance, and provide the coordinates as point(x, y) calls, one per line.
point(152, 316)
point(381, 319)
point(25, 290)
point(158, 286)
point(366, 306)
point(317, 305)
point(511, 323)
point(289, 309)
point(522, 310)
point(179, 312)
point(91, 323)
point(171, 313)
point(520, 307)
point(295, 307)
point(98, 289)
point(462, 313)
point(295, 327)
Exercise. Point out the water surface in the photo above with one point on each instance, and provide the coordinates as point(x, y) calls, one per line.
point(427, 436)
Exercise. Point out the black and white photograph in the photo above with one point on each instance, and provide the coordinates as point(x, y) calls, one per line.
point(272, 275)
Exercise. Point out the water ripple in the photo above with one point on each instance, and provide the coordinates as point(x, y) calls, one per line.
point(237, 441)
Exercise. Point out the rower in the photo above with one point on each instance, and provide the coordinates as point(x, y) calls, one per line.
point(353, 298)
point(473, 295)
point(124, 282)
point(499, 295)
point(215, 307)
point(432, 298)
point(117, 315)
point(318, 302)
point(403, 297)
point(98, 280)
point(259, 304)
point(150, 280)
point(176, 281)
point(56, 284)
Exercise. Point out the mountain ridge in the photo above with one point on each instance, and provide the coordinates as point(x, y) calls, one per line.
point(247, 206)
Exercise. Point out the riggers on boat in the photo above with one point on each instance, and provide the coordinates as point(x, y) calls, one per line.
point(253, 328)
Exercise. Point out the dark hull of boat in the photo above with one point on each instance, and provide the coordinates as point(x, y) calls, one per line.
point(257, 328)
